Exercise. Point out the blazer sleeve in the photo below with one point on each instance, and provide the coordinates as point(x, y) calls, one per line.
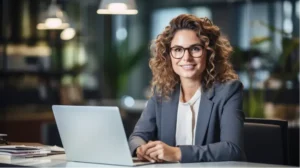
point(231, 146)
point(145, 129)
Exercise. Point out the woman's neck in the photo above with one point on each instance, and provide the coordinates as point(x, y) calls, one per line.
point(188, 89)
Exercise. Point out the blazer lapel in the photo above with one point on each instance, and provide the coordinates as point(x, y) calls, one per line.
point(169, 117)
point(204, 112)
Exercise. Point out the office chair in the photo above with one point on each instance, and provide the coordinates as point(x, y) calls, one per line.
point(266, 141)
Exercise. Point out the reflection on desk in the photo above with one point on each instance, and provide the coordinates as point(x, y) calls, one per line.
point(60, 161)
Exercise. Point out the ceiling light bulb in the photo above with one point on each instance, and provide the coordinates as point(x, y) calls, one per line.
point(117, 7)
point(53, 22)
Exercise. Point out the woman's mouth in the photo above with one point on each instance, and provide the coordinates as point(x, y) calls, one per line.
point(188, 67)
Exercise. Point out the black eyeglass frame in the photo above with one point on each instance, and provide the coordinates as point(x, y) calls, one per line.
point(188, 49)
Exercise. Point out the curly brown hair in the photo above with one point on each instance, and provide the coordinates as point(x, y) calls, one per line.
point(218, 66)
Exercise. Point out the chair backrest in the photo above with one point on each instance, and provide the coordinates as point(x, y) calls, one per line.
point(266, 141)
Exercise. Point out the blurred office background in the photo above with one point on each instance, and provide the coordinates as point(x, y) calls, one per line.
point(87, 58)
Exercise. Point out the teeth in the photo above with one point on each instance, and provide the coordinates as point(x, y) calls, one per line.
point(187, 67)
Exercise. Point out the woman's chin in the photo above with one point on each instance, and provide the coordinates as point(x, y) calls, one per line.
point(189, 76)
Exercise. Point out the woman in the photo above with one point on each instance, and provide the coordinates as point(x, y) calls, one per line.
point(195, 113)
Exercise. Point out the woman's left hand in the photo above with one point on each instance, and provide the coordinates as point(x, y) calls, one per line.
point(159, 150)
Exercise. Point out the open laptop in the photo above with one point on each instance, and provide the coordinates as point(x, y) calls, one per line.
point(93, 134)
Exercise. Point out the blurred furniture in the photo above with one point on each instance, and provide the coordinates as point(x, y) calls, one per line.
point(25, 126)
point(282, 104)
point(266, 141)
point(293, 134)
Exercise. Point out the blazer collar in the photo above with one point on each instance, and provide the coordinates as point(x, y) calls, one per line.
point(169, 116)
point(208, 92)
point(204, 113)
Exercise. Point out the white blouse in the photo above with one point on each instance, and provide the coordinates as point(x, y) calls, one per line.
point(187, 119)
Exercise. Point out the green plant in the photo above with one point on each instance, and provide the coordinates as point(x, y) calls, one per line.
point(283, 66)
point(118, 64)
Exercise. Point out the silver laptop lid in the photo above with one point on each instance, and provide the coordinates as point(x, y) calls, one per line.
point(92, 134)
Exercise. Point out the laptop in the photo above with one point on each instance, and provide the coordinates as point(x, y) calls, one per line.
point(93, 134)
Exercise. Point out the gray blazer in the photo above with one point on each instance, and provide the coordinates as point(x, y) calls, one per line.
point(219, 129)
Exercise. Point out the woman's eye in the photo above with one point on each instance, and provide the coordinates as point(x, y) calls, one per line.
point(196, 48)
point(178, 49)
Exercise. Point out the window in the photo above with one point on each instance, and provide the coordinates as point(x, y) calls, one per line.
point(162, 17)
point(251, 17)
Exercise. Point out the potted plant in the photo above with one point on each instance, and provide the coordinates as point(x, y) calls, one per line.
point(282, 86)
point(118, 64)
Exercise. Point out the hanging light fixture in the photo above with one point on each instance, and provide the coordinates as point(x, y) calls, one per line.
point(120, 7)
point(54, 18)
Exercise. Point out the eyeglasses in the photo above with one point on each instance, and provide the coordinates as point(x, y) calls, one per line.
point(195, 50)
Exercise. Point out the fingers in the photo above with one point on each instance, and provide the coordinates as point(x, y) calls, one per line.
point(141, 156)
point(150, 144)
point(138, 154)
point(156, 149)
point(161, 156)
point(153, 149)
point(157, 155)
point(145, 158)
point(149, 159)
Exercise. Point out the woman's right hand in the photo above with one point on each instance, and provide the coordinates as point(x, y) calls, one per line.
point(141, 154)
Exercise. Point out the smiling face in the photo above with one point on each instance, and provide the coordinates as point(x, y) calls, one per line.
point(187, 67)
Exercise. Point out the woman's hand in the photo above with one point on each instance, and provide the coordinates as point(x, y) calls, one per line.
point(159, 151)
point(141, 155)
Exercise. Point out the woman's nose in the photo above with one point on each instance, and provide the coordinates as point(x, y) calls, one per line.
point(186, 55)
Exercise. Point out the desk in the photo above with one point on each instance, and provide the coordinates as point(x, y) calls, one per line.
point(60, 161)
